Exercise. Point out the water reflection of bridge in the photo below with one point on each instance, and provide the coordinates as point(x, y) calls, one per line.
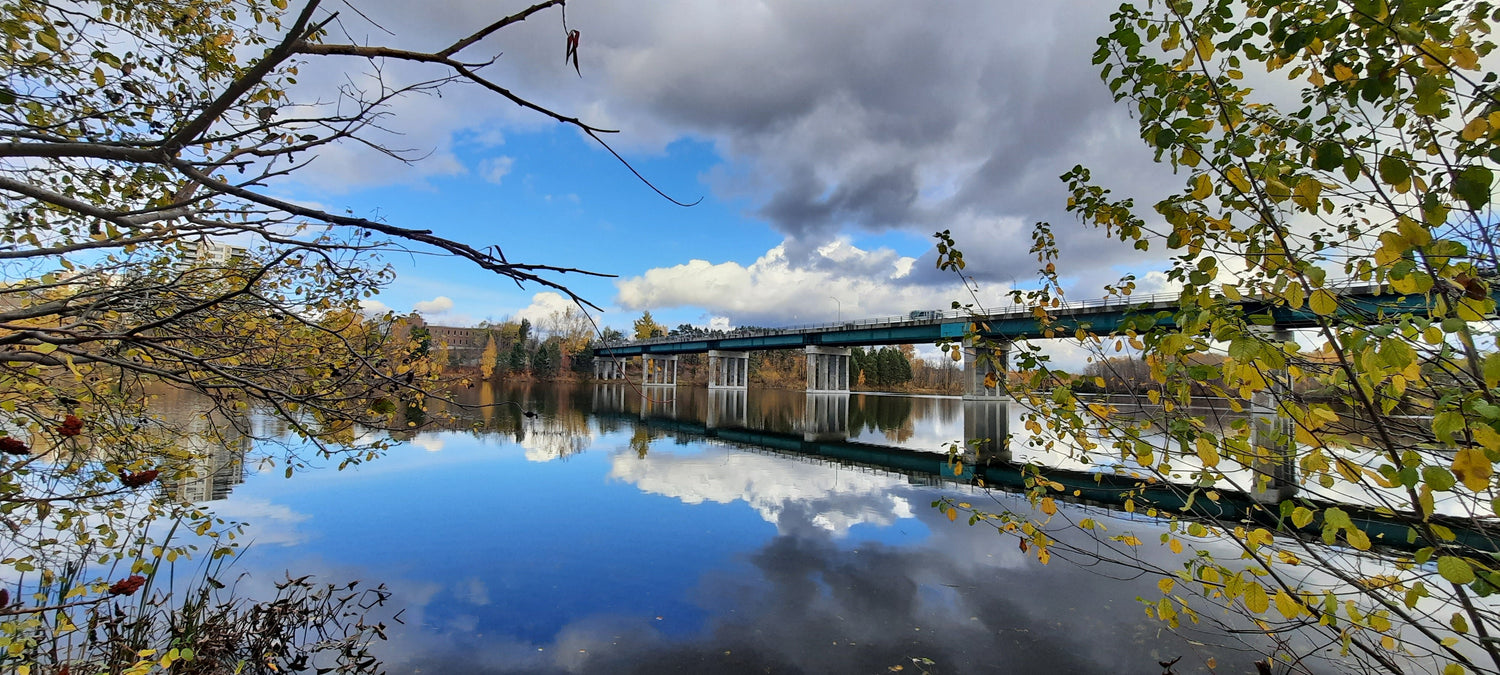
point(822, 435)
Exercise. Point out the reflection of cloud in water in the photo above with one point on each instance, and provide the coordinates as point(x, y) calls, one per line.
point(428, 442)
point(965, 598)
point(473, 591)
point(267, 523)
point(795, 496)
point(549, 439)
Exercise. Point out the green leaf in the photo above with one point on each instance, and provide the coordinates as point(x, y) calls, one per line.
point(1473, 186)
point(48, 40)
point(1455, 569)
point(1330, 156)
point(1438, 478)
point(1394, 170)
point(1429, 94)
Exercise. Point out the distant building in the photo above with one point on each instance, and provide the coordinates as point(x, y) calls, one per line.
point(209, 253)
point(459, 339)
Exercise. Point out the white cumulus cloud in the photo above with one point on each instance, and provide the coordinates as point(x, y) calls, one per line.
point(438, 305)
point(838, 281)
point(495, 169)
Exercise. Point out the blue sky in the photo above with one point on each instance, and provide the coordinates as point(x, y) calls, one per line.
point(826, 141)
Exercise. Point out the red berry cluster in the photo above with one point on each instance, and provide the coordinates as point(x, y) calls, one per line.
point(71, 426)
point(128, 585)
point(138, 478)
point(11, 445)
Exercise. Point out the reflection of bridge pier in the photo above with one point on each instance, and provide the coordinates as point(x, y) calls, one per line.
point(728, 370)
point(659, 402)
point(987, 431)
point(1276, 463)
point(728, 408)
point(610, 397)
point(826, 417)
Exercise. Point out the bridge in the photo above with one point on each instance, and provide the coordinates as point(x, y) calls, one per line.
point(828, 345)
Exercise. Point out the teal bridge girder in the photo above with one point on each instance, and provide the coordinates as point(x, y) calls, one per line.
point(1364, 304)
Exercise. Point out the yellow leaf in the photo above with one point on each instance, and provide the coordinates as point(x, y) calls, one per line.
point(1202, 187)
point(1255, 598)
point(1130, 540)
point(1487, 437)
point(1231, 292)
point(952, 514)
point(1294, 296)
point(1475, 129)
point(1205, 46)
point(1473, 468)
point(1301, 516)
point(1237, 179)
point(1175, 545)
point(1465, 58)
point(1323, 302)
point(1207, 453)
point(1049, 506)
point(1165, 585)
point(1308, 191)
point(1287, 605)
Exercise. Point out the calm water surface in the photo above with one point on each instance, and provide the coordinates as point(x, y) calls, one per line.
point(699, 537)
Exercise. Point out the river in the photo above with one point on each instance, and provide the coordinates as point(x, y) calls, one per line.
point(702, 536)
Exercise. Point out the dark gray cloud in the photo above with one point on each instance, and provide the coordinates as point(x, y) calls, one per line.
point(838, 117)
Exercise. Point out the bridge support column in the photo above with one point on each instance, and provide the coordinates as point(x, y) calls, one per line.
point(980, 362)
point(608, 368)
point(657, 369)
point(826, 417)
point(1274, 435)
point(828, 369)
point(728, 370)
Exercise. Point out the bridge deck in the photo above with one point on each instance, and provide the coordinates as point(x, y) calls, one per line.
point(1365, 304)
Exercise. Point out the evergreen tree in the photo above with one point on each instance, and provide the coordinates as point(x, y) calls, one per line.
point(517, 359)
point(856, 364)
point(548, 360)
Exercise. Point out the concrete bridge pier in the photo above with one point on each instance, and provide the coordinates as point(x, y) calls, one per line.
point(1274, 436)
point(728, 408)
point(986, 431)
point(980, 361)
point(609, 368)
point(826, 417)
point(728, 370)
point(658, 370)
point(828, 369)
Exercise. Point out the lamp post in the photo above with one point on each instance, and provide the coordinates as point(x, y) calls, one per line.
point(840, 306)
